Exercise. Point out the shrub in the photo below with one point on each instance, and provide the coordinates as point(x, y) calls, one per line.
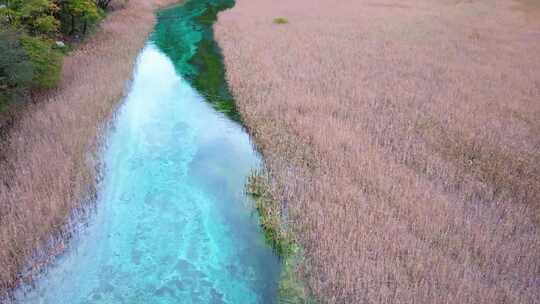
point(15, 66)
point(46, 24)
point(36, 16)
point(281, 20)
point(77, 15)
point(110, 4)
point(46, 61)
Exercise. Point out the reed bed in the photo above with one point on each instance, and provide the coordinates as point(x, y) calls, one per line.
point(48, 170)
point(402, 139)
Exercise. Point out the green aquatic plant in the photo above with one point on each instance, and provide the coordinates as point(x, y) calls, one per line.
point(291, 288)
point(194, 52)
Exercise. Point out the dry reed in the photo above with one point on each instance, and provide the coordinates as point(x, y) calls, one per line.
point(46, 168)
point(403, 138)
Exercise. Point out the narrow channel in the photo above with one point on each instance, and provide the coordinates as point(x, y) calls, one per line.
point(172, 221)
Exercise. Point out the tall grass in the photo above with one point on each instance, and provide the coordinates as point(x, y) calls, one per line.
point(403, 142)
point(47, 171)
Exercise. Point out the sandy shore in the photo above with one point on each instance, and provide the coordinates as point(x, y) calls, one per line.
point(402, 137)
point(47, 170)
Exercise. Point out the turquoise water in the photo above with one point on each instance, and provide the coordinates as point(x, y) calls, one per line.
point(172, 223)
point(194, 52)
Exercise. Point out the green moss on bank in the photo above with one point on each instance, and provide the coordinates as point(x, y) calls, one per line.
point(291, 289)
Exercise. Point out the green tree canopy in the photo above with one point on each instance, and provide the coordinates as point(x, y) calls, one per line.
point(36, 16)
point(86, 11)
point(16, 70)
point(46, 61)
point(28, 55)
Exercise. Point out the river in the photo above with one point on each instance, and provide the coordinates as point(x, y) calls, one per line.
point(172, 223)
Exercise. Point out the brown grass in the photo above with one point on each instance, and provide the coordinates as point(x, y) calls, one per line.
point(403, 138)
point(46, 169)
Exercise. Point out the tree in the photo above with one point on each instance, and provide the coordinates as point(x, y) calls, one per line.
point(28, 55)
point(46, 61)
point(35, 16)
point(16, 70)
point(103, 4)
point(84, 10)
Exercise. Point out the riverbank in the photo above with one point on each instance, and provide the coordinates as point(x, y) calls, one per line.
point(401, 139)
point(47, 169)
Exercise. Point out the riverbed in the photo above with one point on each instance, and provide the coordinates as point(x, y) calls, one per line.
point(172, 222)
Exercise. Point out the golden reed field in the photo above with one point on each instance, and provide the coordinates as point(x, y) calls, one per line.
point(403, 141)
point(46, 171)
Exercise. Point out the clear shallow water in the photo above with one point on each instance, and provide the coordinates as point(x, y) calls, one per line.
point(173, 224)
